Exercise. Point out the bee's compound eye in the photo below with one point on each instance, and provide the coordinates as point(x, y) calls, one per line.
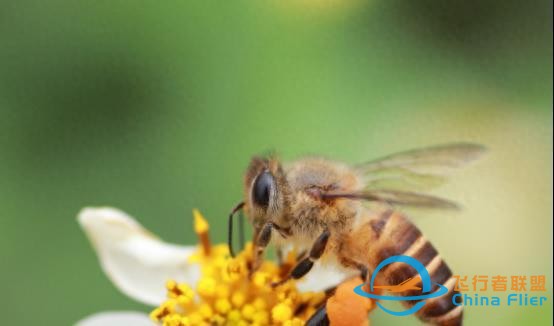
point(262, 189)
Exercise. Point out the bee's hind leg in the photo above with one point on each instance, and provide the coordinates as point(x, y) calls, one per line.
point(339, 301)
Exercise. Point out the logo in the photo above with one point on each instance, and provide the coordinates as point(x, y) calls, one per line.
point(409, 284)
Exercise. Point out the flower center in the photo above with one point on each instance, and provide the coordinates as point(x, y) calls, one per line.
point(226, 295)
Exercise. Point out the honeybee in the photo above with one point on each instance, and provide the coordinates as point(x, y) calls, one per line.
point(347, 216)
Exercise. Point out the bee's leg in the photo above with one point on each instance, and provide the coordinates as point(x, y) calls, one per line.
point(303, 254)
point(261, 240)
point(342, 299)
point(305, 265)
point(281, 255)
point(319, 318)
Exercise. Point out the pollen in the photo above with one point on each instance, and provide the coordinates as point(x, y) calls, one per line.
point(226, 294)
point(248, 311)
point(281, 312)
point(234, 316)
point(260, 317)
point(206, 287)
point(261, 280)
point(205, 310)
point(260, 304)
point(223, 306)
point(294, 322)
point(238, 299)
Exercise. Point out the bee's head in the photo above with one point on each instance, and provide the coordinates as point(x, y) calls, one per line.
point(264, 191)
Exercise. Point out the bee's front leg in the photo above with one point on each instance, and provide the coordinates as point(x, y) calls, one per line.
point(262, 237)
point(305, 265)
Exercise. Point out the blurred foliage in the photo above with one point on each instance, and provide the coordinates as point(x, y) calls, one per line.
point(156, 107)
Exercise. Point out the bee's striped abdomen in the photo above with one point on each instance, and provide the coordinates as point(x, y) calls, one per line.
point(395, 235)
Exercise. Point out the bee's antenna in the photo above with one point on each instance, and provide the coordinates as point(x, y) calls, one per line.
point(230, 228)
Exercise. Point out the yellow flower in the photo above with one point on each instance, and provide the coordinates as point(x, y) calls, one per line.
point(227, 292)
point(203, 284)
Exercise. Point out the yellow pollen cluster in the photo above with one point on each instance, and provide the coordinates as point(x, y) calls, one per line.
point(226, 295)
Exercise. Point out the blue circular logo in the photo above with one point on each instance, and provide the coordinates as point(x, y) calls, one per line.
point(425, 289)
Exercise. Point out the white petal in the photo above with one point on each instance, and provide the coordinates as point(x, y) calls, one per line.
point(116, 318)
point(137, 262)
point(323, 276)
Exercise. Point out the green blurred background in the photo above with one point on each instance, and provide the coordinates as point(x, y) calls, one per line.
point(156, 108)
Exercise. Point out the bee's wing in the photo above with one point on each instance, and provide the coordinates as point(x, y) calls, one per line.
point(398, 178)
point(419, 169)
point(396, 197)
point(407, 198)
